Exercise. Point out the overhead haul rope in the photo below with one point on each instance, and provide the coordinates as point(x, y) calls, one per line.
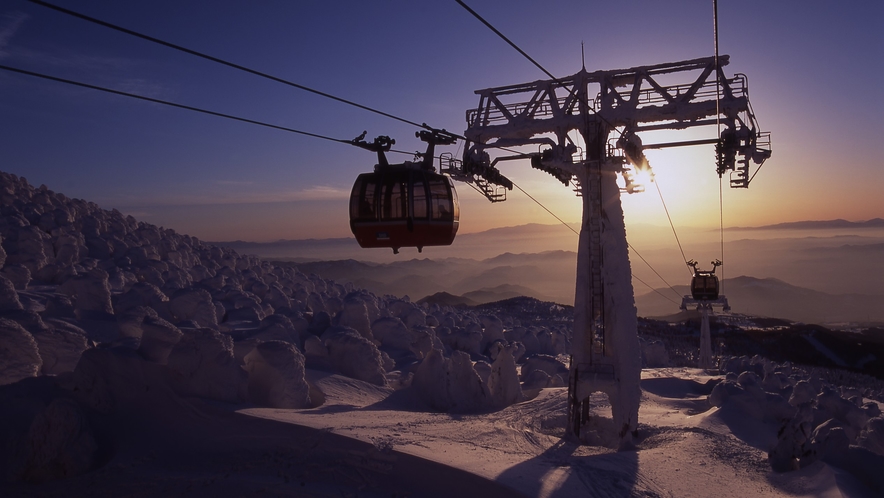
point(655, 272)
point(245, 120)
point(721, 229)
point(546, 209)
point(165, 102)
point(718, 124)
point(243, 68)
point(504, 38)
point(181, 106)
point(664, 296)
point(657, 184)
point(627, 244)
point(222, 61)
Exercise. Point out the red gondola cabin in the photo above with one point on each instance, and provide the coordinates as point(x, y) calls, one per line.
point(403, 205)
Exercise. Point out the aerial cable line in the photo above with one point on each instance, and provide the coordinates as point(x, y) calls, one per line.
point(664, 296)
point(175, 104)
point(224, 62)
point(504, 38)
point(183, 106)
point(546, 209)
point(718, 123)
point(672, 225)
point(246, 69)
point(236, 118)
point(654, 270)
point(721, 228)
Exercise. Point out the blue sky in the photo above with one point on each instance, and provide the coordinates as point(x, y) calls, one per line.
point(814, 72)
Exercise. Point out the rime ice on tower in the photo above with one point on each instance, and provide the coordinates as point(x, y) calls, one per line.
point(586, 128)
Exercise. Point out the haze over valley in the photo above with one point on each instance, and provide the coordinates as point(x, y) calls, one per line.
point(810, 272)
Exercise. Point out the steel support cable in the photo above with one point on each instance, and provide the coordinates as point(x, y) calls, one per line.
point(175, 104)
point(222, 61)
point(718, 124)
point(242, 68)
point(664, 296)
point(654, 270)
point(546, 209)
point(279, 80)
point(721, 229)
point(672, 225)
point(504, 38)
point(187, 107)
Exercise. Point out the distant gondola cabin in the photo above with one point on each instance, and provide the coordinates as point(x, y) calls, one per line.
point(403, 206)
point(704, 286)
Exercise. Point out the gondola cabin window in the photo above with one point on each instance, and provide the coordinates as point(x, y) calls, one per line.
point(420, 199)
point(441, 197)
point(394, 200)
point(362, 200)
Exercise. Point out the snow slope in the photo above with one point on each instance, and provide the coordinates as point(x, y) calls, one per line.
point(366, 440)
point(686, 447)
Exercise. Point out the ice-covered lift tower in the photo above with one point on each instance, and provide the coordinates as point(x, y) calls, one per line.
point(609, 109)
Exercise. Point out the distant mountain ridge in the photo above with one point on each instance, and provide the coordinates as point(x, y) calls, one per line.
point(771, 297)
point(847, 268)
point(817, 225)
point(547, 276)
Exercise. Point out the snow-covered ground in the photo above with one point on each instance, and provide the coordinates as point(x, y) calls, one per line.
point(135, 361)
point(366, 440)
point(686, 448)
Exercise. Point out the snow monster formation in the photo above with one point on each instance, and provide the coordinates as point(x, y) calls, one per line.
point(816, 419)
point(100, 312)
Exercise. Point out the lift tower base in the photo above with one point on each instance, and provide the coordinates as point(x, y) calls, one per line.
point(605, 351)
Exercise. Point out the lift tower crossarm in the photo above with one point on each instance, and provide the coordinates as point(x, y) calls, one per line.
point(636, 99)
point(644, 100)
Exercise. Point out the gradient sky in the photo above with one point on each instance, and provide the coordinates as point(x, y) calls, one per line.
point(814, 68)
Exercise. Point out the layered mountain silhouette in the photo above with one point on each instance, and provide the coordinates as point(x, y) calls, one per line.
point(770, 297)
point(815, 271)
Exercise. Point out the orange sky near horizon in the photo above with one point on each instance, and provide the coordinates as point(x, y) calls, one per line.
point(689, 188)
